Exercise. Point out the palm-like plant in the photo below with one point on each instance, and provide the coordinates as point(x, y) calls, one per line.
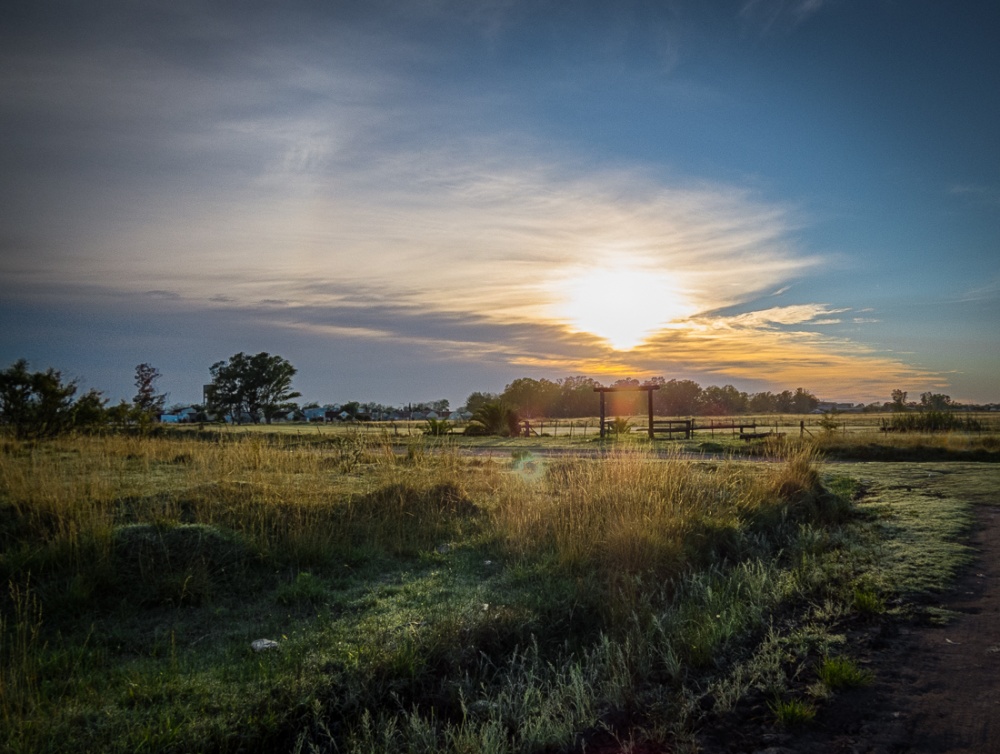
point(494, 418)
point(437, 427)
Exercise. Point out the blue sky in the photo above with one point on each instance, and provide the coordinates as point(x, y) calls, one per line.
point(417, 200)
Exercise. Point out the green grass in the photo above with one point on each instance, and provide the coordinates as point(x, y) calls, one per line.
point(839, 673)
point(792, 713)
point(430, 601)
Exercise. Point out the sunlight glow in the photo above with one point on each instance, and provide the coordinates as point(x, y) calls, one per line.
point(623, 305)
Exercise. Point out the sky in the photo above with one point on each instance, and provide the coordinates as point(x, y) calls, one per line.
point(417, 200)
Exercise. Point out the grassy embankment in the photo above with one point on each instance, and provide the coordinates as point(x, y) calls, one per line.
point(421, 602)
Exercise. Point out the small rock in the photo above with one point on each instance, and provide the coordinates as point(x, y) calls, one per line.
point(443, 549)
point(263, 645)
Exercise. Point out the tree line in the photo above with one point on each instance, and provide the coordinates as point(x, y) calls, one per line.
point(571, 397)
point(258, 388)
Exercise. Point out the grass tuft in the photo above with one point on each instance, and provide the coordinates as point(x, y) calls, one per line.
point(792, 713)
point(839, 673)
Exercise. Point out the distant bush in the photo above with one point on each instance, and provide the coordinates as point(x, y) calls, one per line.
point(437, 427)
point(930, 421)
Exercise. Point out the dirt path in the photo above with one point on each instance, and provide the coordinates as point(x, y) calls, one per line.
point(947, 684)
point(937, 688)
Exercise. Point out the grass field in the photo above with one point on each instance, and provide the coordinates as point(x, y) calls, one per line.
point(426, 599)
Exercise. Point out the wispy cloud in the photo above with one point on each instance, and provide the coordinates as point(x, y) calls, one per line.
point(978, 193)
point(988, 291)
point(815, 314)
point(771, 15)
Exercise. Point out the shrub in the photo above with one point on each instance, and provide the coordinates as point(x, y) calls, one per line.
point(494, 418)
point(35, 404)
point(437, 427)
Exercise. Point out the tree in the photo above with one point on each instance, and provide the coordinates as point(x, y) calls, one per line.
point(35, 404)
point(628, 402)
point(898, 400)
point(251, 387)
point(722, 401)
point(763, 403)
point(531, 397)
point(89, 411)
point(677, 398)
point(803, 401)
point(935, 402)
point(148, 403)
point(576, 396)
point(477, 399)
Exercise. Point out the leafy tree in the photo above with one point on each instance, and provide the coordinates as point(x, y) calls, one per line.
point(35, 404)
point(531, 397)
point(763, 403)
point(477, 399)
point(935, 402)
point(784, 402)
point(576, 396)
point(677, 398)
point(89, 411)
point(898, 400)
point(626, 403)
point(255, 387)
point(722, 401)
point(803, 401)
point(148, 403)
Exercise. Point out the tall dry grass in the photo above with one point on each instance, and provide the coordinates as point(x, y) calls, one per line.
point(63, 503)
point(641, 543)
point(632, 517)
point(628, 513)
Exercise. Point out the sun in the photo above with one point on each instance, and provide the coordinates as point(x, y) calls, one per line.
point(623, 305)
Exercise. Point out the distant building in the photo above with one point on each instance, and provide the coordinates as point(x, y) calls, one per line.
point(825, 407)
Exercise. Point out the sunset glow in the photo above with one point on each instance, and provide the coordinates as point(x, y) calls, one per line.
point(622, 305)
point(417, 200)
